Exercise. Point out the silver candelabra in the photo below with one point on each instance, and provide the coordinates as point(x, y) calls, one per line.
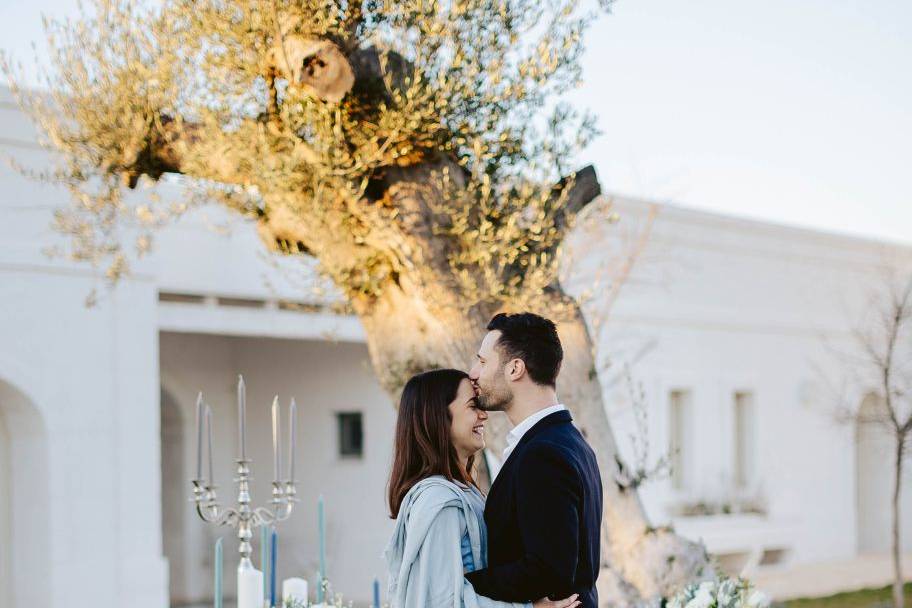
point(243, 517)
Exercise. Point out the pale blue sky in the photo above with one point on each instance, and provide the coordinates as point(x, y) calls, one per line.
point(792, 111)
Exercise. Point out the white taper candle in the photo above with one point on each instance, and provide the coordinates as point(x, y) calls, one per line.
point(276, 462)
point(199, 435)
point(242, 418)
point(292, 418)
point(211, 478)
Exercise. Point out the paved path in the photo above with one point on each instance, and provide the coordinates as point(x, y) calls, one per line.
point(826, 578)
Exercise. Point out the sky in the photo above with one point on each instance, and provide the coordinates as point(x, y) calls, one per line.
point(797, 112)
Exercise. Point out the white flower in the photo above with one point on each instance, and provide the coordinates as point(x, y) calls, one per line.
point(689, 591)
point(758, 599)
point(705, 596)
point(676, 602)
point(728, 594)
point(683, 596)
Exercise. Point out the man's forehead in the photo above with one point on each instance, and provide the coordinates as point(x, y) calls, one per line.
point(489, 341)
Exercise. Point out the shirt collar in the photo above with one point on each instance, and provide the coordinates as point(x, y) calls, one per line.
point(517, 432)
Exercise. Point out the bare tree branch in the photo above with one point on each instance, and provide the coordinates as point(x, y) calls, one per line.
point(885, 362)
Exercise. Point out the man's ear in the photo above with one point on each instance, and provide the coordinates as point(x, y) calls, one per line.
point(516, 369)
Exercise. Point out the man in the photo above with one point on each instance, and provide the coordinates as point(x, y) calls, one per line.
point(544, 510)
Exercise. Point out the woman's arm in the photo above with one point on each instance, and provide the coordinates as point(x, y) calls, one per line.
point(436, 578)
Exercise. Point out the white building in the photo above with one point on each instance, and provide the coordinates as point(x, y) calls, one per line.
point(723, 323)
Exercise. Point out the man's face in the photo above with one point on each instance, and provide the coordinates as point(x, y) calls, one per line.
point(488, 376)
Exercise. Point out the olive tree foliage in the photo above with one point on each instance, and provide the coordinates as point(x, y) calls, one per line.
point(204, 89)
point(417, 149)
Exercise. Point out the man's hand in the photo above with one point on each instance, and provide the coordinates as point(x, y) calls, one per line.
point(570, 602)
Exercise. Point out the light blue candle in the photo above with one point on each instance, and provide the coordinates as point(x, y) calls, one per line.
point(273, 564)
point(321, 526)
point(217, 592)
point(376, 593)
point(264, 560)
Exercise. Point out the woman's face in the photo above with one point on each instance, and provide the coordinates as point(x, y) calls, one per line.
point(467, 428)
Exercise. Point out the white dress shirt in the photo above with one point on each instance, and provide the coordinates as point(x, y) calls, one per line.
point(520, 429)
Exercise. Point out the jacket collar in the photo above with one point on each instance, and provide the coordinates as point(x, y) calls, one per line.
point(560, 417)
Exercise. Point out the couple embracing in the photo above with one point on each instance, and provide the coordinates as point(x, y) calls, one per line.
point(534, 540)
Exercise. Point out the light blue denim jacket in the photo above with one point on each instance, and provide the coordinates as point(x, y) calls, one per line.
point(424, 555)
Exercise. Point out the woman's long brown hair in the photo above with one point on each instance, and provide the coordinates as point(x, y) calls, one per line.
point(423, 444)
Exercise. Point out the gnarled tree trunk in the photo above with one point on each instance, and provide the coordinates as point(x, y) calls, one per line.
point(408, 331)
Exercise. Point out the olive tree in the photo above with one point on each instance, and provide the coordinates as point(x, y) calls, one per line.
point(417, 149)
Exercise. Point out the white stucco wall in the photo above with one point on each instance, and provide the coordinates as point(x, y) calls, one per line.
point(325, 378)
point(89, 375)
point(718, 305)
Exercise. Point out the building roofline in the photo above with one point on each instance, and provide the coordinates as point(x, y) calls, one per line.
point(755, 225)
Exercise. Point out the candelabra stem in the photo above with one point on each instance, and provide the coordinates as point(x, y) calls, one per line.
point(245, 531)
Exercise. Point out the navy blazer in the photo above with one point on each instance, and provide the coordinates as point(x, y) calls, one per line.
point(544, 516)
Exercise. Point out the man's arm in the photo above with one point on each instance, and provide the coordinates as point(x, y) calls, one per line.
point(548, 499)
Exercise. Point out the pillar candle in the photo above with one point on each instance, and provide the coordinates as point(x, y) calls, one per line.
point(294, 592)
point(250, 588)
point(217, 592)
point(273, 564)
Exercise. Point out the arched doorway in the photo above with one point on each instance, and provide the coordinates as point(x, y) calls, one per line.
point(24, 540)
point(874, 457)
point(174, 496)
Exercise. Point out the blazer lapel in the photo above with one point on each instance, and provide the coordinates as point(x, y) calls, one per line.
point(560, 417)
point(563, 416)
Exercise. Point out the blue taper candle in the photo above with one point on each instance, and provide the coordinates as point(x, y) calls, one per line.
point(321, 528)
point(264, 560)
point(376, 593)
point(217, 592)
point(273, 565)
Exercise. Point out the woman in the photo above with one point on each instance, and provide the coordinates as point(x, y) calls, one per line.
point(440, 531)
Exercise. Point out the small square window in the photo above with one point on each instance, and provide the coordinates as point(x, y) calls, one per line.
point(351, 435)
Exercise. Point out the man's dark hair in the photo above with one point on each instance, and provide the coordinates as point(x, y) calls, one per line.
point(533, 339)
